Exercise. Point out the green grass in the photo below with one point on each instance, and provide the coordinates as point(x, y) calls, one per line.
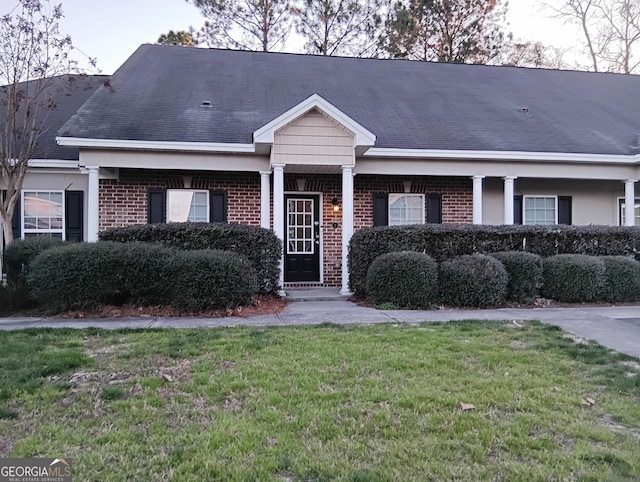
point(352, 403)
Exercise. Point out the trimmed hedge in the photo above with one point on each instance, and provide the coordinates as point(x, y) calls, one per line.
point(622, 279)
point(442, 241)
point(573, 278)
point(406, 279)
point(525, 274)
point(210, 278)
point(259, 245)
point(84, 275)
point(473, 280)
point(17, 258)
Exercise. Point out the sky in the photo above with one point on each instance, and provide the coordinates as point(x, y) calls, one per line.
point(112, 30)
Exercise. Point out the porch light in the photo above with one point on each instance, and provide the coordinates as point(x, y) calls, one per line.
point(336, 206)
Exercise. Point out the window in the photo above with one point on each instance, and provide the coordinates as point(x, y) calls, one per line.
point(187, 205)
point(43, 214)
point(621, 211)
point(540, 210)
point(406, 209)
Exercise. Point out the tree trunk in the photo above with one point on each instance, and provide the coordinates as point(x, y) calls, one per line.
point(7, 226)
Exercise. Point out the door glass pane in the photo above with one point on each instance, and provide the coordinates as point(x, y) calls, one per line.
point(300, 224)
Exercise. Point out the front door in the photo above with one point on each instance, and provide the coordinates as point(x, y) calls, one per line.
point(302, 237)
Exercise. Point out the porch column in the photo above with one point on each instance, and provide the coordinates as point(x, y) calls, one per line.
point(265, 196)
point(93, 195)
point(278, 212)
point(629, 202)
point(347, 223)
point(477, 199)
point(508, 199)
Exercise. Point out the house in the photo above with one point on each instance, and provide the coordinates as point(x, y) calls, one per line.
point(53, 195)
point(317, 147)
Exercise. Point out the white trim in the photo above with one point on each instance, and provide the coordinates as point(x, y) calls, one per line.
point(194, 191)
point(619, 208)
point(320, 226)
point(478, 189)
point(61, 231)
point(543, 196)
point(503, 155)
point(265, 134)
point(406, 194)
point(156, 145)
point(53, 163)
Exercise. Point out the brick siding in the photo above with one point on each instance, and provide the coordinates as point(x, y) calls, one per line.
point(124, 201)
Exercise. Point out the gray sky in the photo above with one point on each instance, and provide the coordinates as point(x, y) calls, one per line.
point(112, 30)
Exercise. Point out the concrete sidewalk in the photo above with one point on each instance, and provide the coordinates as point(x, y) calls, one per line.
point(617, 327)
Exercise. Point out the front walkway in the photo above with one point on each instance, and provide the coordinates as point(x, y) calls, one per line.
point(617, 327)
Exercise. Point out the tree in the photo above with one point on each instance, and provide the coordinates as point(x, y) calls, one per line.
point(245, 24)
point(32, 51)
point(339, 27)
point(445, 30)
point(611, 31)
point(521, 53)
point(179, 37)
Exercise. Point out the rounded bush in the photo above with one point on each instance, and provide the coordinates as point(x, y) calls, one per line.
point(573, 278)
point(406, 279)
point(17, 258)
point(83, 275)
point(473, 280)
point(622, 279)
point(525, 274)
point(208, 278)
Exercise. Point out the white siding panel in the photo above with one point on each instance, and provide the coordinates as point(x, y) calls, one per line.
point(313, 139)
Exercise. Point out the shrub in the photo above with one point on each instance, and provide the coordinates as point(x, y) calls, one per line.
point(259, 245)
point(573, 277)
point(209, 278)
point(525, 274)
point(17, 258)
point(442, 241)
point(622, 279)
point(84, 275)
point(473, 280)
point(406, 279)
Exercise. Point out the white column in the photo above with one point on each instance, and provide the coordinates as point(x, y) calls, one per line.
point(477, 199)
point(629, 202)
point(265, 197)
point(508, 199)
point(347, 223)
point(278, 212)
point(93, 195)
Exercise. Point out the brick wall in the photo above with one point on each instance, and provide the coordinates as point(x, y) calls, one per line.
point(124, 201)
point(457, 195)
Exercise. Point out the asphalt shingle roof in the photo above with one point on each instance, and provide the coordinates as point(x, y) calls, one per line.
point(67, 93)
point(157, 95)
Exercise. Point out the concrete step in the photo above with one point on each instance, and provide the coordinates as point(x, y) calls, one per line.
point(314, 294)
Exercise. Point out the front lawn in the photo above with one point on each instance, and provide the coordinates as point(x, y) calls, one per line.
point(357, 403)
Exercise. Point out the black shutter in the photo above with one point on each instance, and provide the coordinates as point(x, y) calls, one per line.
point(157, 206)
point(74, 216)
point(380, 209)
point(434, 208)
point(217, 206)
point(16, 221)
point(564, 209)
point(517, 209)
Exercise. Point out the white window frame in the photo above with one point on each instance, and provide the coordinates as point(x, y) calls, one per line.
point(36, 231)
point(399, 194)
point(203, 191)
point(538, 196)
point(621, 212)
